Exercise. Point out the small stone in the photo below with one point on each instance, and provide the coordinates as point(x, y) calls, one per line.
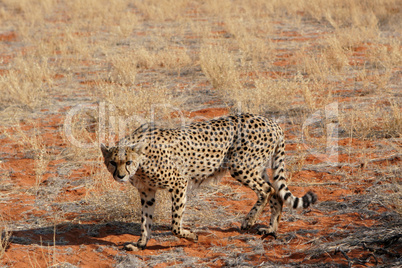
point(131, 247)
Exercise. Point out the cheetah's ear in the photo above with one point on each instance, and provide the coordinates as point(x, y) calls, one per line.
point(139, 147)
point(104, 149)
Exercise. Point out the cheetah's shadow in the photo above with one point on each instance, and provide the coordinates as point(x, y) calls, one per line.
point(82, 234)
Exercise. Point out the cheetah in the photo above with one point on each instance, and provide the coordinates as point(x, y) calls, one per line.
point(175, 159)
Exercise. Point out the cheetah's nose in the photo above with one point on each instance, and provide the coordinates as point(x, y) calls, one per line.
point(120, 177)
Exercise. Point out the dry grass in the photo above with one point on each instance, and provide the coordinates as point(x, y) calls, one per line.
point(355, 23)
point(136, 60)
point(32, 144)
point(130, 107)
point(165, 10)
point(266, 95)
point(354, 13)
point(167, 58)
point(374, 122)
point(219, 67)
point(5, 235)
point(26, 83)
point(112, 201)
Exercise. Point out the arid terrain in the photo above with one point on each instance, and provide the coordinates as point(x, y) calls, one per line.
point(77, 73)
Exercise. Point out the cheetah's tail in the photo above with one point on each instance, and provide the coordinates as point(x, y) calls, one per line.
point(279, 183)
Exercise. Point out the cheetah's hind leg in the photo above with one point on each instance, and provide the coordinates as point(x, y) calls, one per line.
point(276, 206)
point(262, 189)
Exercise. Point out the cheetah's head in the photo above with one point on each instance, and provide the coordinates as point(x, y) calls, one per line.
point(123, 161)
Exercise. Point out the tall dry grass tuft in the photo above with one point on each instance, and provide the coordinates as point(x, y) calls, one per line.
point(34, 147)
point(27, 82)
point(250, 34)
point(138, 100)
point(338, 13)
point(374, 122)
point(219, 67)
point(336, 54)
point(396, 198)
point(385, 56)
point(162, 10)
point(93, 15)
point(27, 14)
point(393, 120)
point(331, 61)
point(171, 58)
point(125, 64)
point(267, 95)
point(126, 107)
point(260, 93)
point(5, 235)
point(352, 13)
point(123, 69)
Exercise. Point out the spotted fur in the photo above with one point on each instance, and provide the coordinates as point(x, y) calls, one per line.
point(174, 159)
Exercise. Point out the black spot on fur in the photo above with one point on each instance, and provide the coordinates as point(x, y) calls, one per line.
point(296, 203)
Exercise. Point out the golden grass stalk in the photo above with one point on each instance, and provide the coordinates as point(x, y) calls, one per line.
point(219, 67)
point(26, 83)
point(374, 122)
point(5, 235)
point(123, 69)
point(162, 10)
point(168, 58)
point(128, 107)
point(35, 148)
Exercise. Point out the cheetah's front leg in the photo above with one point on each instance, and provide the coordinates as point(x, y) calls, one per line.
point(179, 198)
point(148, 207)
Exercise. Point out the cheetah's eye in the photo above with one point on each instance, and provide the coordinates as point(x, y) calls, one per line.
point(129, 163)
point(113, 163)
